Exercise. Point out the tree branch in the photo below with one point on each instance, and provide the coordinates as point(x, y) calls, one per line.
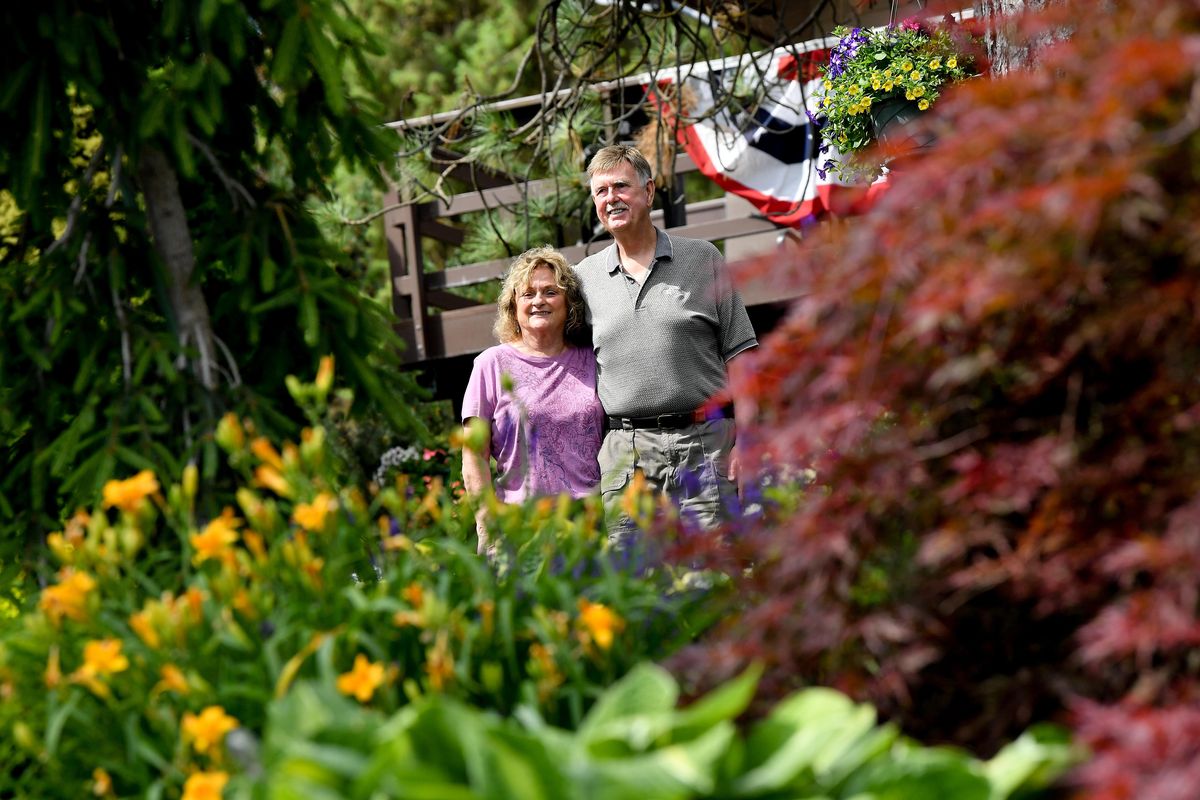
point(173, 242)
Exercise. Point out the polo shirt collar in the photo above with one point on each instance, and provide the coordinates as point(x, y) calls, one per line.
point(662, 250)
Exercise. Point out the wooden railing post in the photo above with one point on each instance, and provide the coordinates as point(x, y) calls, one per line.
point(407, 267)
point(674, 204)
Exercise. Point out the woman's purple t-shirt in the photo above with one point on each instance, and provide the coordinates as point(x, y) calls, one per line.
point(546, 432)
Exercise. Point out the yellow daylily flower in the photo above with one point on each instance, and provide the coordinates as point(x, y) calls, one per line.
point(601, 622)
point(207, 731)
point(144, 628)
point(131, 493)
point(362, 680)
point(205, 785)
point(266, 452)
point(311, 516)
point(270, 478)
point(103, 657)
point(216, 537)
point(172, 680)
point(68, 597)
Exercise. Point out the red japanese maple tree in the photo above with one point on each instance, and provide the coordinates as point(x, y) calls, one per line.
point(995, 376)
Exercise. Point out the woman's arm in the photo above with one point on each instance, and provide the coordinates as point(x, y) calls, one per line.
point(477, 475)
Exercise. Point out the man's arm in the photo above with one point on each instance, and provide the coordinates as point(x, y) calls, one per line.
point(743, 416)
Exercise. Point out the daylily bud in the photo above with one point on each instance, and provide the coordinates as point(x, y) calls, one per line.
point(230, 435)
point(324, 381)
point(312, 446)
point(191, 480)
point(295, 388)
point(476, 434)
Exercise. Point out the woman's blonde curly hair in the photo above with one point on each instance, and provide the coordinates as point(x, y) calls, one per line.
point(520, 273)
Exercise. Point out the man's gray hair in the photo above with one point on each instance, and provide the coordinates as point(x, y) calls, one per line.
point(614, 155)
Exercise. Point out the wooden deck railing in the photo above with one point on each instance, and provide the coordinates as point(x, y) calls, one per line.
point(437, 324)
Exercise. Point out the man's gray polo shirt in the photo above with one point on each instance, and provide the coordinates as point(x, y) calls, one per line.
point(661, 347)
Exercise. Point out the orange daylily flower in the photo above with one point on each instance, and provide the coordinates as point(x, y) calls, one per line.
point(414, 594)
point(361, 681)
point(602, 622)
point(266, 452)
point(144, 628)
point(205, 785)
point(311, 516)
point(216, 538)
point(173, 680)
point(103, 657)
point(207, 730)
point(270, 478)
point(68, 597)
point(129, 494)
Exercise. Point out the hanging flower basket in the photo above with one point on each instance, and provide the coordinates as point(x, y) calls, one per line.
point(878, 80)
point(892, 125)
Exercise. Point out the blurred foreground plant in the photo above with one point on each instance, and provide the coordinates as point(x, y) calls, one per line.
point(633, 744)
point(147, 662)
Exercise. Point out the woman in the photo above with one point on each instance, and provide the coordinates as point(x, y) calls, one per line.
point(544, 432)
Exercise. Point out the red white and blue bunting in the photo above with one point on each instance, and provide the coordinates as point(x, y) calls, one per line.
point(770, 154)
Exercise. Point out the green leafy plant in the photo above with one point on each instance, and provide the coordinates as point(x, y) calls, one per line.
point(635, 743)
point(869, 66)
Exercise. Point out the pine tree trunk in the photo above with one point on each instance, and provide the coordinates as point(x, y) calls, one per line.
point(173, 241)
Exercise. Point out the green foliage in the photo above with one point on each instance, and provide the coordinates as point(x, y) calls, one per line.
point(634, 743)
point(435, 55)
point(108, 363)
point(162, 614)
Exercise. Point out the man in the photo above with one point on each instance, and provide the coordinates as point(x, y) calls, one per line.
point(665, 323)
